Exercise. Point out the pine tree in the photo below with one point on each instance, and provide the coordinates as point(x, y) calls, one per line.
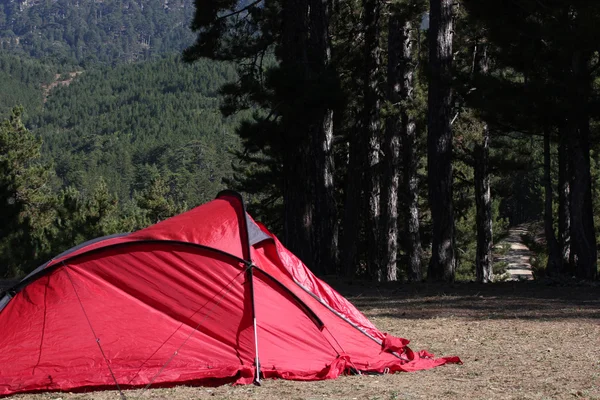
point(27, 204)
point(439, 140)
point(399, 145)
point(552, 49)
point(553, 265)
point(372, 131)
point(155, 202)
point(296, 128)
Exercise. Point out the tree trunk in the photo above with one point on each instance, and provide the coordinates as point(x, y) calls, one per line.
point(298, 207)
point(310, 220)
point(353, 195)
point(483, 203)
point(297, 179)
point(391, 153)
point(582, 213)
point(371, 21)
point(484, 268)
point(439, 141)
point(325, 237)
point(410, 155)
point(564, 207)
point(554, 258)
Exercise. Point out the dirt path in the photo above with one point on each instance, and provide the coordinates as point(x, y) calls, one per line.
point(518, 255)
point(59, 82)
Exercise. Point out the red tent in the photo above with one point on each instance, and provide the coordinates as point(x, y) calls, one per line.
point(206, 297)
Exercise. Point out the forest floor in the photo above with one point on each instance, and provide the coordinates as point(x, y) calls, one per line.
point(518, 340)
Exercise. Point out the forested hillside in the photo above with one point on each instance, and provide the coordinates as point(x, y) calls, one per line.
point(114, 132)
point(87, 31)
point(120, 148)
point(135, 123)
point(22, 80)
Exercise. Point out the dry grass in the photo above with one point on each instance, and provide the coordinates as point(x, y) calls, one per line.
point(518, 340)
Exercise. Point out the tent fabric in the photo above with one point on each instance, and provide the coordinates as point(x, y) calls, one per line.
point(195, 299)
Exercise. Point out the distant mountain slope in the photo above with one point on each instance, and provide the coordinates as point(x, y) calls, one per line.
point(137, 122)
point(21, 82)
point(102, 84)
point(90, 31)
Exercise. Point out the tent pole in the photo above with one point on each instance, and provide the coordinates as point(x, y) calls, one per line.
point(247, 255)
point(256, 360)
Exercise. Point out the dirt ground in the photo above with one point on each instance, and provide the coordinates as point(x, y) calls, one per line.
point(518, 340)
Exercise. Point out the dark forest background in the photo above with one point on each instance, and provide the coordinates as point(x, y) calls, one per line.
point(388, 141)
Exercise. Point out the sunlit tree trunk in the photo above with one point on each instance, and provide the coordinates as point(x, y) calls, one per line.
point(372, 130)
point(410, 158)
point(564, 207)
point(353, 194)
point(391, 154)
point(483, 202)
point(554, 258)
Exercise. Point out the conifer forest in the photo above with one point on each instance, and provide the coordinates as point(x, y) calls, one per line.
point(381, 141)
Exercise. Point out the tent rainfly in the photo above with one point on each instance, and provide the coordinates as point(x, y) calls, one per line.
point(204, 298)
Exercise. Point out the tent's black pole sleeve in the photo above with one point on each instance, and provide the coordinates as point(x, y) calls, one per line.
point(243, 222)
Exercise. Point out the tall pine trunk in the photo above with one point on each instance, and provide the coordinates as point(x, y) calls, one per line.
point(352, 203)
point(582, 214)
point(564, 207)
point(554, 258)
point(483, 203)
point(483, 196)
point(325, 237)
point(439, 140)
point(297, 179)
point(390, 184)
point(310, 229)
point(372, 129)
point(410, 159)
point(399, 148)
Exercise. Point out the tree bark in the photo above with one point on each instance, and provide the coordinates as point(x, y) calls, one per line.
point(391, 153)
point(554, 258)
point(484, 268)
point(410, 158)
point(297, 179)
point(582, 223)
point(310, 220)
point(483, 203)
point(564, 207)
point(372, 127)
point(439, 141)
point(325, 237)
point(298, 207)
point(352, 203)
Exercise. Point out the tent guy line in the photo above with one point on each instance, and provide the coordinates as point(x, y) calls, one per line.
point(96, 337)
point(176, 352)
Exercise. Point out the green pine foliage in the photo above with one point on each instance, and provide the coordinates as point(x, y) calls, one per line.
point(138, 121)
point(22, 80)
point(131, 135)
point(88, 32)
point(25, 198)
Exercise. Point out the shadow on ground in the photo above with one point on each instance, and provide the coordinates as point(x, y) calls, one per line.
point(507, 300)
